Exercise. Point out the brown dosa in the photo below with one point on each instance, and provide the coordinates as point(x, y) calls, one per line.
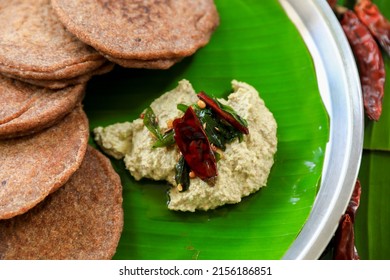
point(147, 64)
point(61, 83)
point(14, 99)
point(47, 108)
point(34, 166)
point(35, 45)
point(82, 220)
point(140, 30)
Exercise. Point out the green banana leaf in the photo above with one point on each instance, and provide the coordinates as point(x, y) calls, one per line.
point(372, 226)
point(255, 43)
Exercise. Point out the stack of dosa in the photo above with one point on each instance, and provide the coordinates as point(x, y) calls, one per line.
point(47, 176)
point(58, 198)
point(81, 220)
point(36, 48)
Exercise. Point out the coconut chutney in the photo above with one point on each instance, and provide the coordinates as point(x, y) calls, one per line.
point(243, 168)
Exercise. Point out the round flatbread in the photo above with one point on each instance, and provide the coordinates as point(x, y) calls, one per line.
point(62, 83)
point(47, 108)
point(35, 45)
point(34, 166)
point(140, 30)
point(14, 99)
point(147, 64)
point(82, 220)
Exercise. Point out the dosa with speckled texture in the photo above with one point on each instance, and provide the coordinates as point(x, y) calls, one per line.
point(34, 166)
point(14, 99)
point(34, 108)
point(36, 46)
point(141, 34)
point(81, 220)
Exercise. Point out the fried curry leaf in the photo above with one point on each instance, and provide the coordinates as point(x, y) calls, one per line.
point(225, 112)
point(182, 171)
point(166, 140)
point(151, 123)
point(231, 111)
point(218, 131)
point(182, 107)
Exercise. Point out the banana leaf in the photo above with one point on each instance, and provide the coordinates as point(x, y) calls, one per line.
point(258, 44)
point(372, 226)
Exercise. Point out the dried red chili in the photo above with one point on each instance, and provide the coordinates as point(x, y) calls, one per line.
point(195, 146)
point(345, 237)
point(370, 63)
point(345, 241)
point(370, 15)
point(230, 117)
point(354, 202)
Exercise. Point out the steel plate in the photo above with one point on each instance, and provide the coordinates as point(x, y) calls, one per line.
point(339, 85)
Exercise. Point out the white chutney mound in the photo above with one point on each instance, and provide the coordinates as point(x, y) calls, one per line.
point(243, 169)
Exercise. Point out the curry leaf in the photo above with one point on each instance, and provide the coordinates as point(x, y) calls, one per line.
point(166, 140)
point(182, 107)
point(182, 171)
point(151, 123)
point(218, 132)
point(232, 112)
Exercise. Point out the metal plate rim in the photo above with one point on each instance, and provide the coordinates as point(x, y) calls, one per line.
point(340, 89)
